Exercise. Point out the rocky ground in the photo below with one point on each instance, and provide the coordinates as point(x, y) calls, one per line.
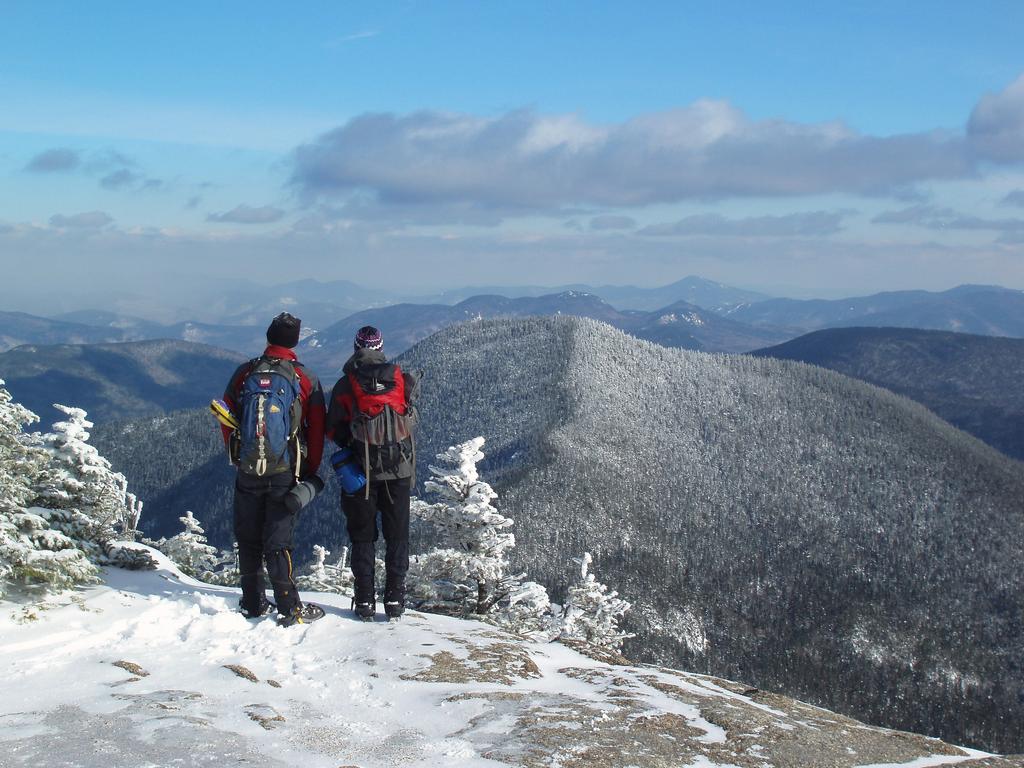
point(153, 669)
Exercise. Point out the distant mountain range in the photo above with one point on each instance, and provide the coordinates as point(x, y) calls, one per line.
point(980, 309)
point(706, 294)
point(236, 318)
point(239, 301)
point(98, 327)
point(974, 382)
point(771, 521)
point(19, 328)
point(679, 325)
point(115, 382)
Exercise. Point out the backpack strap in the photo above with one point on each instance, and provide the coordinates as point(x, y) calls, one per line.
point(366, 468)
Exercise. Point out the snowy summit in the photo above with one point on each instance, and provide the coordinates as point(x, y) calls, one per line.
point(153, 668)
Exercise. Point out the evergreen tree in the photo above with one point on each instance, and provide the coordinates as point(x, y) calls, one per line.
point(592, 613)
point(85, 499)
point(471, 575)
point(32, 552)
point(474, 569)
point(326, 577)
point(190, 551)
point(527, 611)
point(228, 574)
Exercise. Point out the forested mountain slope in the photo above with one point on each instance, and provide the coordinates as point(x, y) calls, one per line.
point(973, 382)
point(117, 381)
point(772, 522)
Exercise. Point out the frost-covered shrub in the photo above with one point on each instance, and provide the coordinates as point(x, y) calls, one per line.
point(190, 551)
point(327, 577)
point(228, 574)
point(592, 613)
point(528, 611)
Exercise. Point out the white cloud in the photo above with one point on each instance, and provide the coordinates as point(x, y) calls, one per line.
point(811, 224)
point(54, 160)
point(1016, 197)
point(996, 126)
point(529, 162)
point(610, 221)
point(87, 220)
point(934, 217)
point(246, 214)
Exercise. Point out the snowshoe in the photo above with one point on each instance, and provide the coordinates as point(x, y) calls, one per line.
point(265, 607)
point(303, 613)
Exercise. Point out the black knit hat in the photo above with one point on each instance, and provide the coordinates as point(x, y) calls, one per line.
point(284, 331)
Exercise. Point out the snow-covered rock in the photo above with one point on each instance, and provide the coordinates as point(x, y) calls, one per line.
point(156, 669)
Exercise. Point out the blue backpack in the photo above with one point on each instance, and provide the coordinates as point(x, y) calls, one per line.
point(269, 419)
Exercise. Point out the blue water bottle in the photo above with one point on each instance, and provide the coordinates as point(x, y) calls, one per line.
point(348, 472)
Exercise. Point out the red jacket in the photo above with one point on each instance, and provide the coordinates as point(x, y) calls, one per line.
point(311, 395)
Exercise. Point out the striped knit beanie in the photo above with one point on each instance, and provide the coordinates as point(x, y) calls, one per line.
point(369, 337)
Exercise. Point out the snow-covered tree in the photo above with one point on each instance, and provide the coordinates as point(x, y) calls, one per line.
point(528, 611)
point(88, 501)
point(190, 551)
point(32, 552)
point(228, 575)
point(592, 613)
point(471, 575)
point(474, 569)
point(327, 577)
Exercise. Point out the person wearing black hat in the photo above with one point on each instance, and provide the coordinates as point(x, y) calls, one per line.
point(371, 412)
point(273, 397)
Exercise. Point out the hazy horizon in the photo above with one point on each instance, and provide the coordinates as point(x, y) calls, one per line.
point(805, 152)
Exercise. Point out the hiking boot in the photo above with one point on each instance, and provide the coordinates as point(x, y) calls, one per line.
point(364, 610)
point(394, 600)
point(265, 607)
point(364, 603)
point(303, 613)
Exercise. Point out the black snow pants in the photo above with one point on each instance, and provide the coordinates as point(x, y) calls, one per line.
point(263, 530)
point(391, 499)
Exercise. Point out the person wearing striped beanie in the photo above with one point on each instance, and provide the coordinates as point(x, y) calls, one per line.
point(372, 414)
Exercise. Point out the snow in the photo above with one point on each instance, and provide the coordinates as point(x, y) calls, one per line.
point(338, 692)
point(344, 690)
point(688, 317)
point(932, 760)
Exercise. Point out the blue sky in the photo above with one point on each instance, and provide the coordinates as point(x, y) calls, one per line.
point(783, 147)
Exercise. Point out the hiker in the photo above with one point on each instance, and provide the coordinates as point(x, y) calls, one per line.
point(279, 407)
point(371, 413)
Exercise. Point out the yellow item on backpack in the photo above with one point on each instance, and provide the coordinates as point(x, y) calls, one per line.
point(223, 414)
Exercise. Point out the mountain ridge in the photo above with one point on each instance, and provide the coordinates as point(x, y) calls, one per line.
point(980, 309)
point(117, 381)
point(971, 381)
